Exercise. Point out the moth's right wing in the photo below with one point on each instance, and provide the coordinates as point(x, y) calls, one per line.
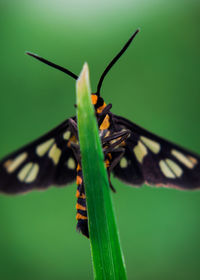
point(153, 160)
point(47, 161)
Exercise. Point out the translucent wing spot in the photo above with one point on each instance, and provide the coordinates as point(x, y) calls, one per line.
point(29, 172)
point(43, 148)
point(55, 154)
point(12, 165)
point(187, 161)
point(71, 163)
point(152, 145)
point(166, 170)
point(24, 171)
point(174, 167)
point(140, 151)
point(32, 175)
point(123, 163)
point(66, 135)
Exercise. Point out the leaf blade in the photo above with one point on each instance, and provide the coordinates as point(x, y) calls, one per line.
point(108, 261)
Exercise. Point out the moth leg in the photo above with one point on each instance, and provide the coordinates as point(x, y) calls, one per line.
point(113, 163)
point(115, 136)
point(110, 184)
point(111, 147)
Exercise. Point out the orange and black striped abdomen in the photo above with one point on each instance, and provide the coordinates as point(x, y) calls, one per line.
point(81, 216)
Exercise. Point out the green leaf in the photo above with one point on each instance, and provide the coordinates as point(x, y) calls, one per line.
point(108, 262)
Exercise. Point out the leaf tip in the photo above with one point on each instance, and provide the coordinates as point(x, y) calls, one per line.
point(83, 81)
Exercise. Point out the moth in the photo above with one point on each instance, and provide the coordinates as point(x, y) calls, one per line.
point(131, 153)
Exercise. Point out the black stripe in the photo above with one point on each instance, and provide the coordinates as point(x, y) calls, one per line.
point(81, 201)
point(82, 212)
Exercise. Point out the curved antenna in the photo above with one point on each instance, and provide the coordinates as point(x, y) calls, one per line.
point(114, 60)
point(66, 71)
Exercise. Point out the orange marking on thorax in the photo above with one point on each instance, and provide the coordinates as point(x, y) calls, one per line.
point(80, 207)
point(80, 217)
point(100, 109)
point(94, 98)
point(105, 124)
point(78, 180)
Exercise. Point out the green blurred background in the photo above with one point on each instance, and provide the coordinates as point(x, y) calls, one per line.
point(156, 84)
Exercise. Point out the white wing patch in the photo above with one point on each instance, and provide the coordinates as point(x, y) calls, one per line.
point(12, 164)
point(66, 135)
point(170, 169)
point(188, 161)
point(28, 173)
point(55, 154)
point(71, 163)
point(166, 170)
point(177, 170)
point(32, 175)
point(140, 151)
point(123, 163)
point(152, 145)
point(43, 148)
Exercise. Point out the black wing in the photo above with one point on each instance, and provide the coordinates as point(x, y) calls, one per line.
point(152, 160)
point(44, 162)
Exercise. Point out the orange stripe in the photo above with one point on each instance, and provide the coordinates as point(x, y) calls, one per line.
point(80, 207)
point(77, 194)
point(78, 180)
point(94, 98)
point(80, 196)
point(80, 217)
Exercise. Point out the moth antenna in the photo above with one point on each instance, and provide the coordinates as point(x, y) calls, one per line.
point(66, 71)
point(114, 60)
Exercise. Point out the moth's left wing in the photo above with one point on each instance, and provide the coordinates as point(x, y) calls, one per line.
point(47, 161)
point(152, 160)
